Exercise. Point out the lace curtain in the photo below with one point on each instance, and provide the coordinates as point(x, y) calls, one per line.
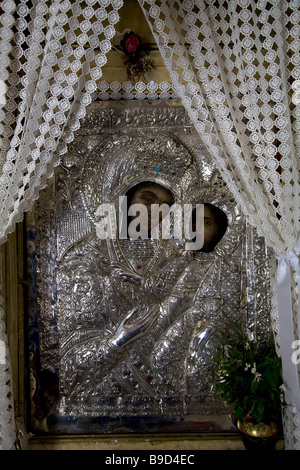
point(235, 66)
point(52, 53)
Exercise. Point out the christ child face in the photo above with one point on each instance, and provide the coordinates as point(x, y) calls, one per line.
point(214, 225)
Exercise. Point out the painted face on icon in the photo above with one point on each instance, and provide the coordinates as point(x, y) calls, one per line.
point(151, 196)
point(214, 226)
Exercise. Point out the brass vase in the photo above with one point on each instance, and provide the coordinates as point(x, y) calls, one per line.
point(258, 436)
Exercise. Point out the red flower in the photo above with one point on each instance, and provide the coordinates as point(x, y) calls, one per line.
point(133, 56)
point(131, 43)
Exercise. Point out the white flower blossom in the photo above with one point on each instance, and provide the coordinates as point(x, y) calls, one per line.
point(257, 377)
point(247, 366)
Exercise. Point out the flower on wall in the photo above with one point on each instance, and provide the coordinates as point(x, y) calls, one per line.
point(135, 57)
point(131, 44)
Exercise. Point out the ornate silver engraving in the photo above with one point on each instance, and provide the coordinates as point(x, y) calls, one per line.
point(129, 324)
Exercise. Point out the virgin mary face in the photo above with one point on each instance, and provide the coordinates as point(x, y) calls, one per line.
point(149, 194)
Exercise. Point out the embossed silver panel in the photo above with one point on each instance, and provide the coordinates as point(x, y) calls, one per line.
point(86, 287)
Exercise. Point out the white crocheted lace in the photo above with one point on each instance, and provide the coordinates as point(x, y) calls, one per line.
point(51, 66)
point(236, 67)
point(52, 54)
point(234, 64)
point(134, 91)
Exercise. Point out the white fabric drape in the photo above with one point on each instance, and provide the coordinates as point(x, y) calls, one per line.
point(59, 48)
point(234, 64)
point(236, 67)
point(52, 53)
point(7, 424)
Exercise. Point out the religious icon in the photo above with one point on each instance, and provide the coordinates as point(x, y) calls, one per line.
point(135, 307)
